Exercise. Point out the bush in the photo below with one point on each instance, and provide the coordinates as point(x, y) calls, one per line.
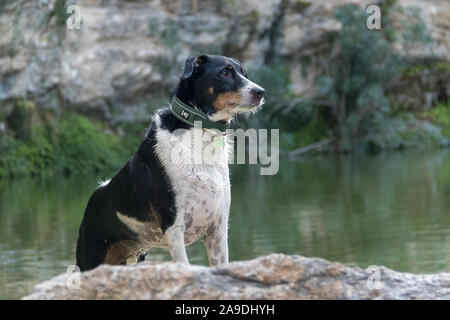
point(350, 105)
point(74, 146)
point(84, 147)
point(440, 115)
point(353, 82)
point(294, 115)
point(21, 159)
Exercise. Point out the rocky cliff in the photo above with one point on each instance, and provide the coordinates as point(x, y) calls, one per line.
point(275, 276)
point(127, 53)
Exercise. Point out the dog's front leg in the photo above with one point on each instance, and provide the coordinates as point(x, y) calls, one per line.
point(216, 242)
point(175, 241)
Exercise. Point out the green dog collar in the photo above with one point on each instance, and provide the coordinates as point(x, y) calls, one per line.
point(188, 115)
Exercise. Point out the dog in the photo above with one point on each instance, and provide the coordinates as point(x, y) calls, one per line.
point(156, 200)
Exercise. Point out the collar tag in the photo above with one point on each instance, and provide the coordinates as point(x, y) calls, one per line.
point(185, 114)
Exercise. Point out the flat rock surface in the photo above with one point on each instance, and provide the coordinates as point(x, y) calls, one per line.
point(276, 276)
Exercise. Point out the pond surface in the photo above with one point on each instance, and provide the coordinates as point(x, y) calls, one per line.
point(392, 209)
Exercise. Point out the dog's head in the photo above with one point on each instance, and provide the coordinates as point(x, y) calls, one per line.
point(219, 87)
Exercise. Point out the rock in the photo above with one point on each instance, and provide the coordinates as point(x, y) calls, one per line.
point(436, 17)
point(130, 52)
point(276, 276)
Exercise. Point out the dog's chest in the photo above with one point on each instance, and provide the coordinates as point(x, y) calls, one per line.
point(203, 198)
point(201, 190)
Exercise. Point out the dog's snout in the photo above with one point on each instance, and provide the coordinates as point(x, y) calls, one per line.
point(258, 92)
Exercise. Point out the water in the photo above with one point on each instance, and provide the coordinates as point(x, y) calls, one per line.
point(392, 210)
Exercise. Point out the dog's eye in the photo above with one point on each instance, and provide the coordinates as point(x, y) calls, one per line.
point(226, 73)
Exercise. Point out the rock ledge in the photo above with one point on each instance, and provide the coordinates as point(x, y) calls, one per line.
point(276, 276)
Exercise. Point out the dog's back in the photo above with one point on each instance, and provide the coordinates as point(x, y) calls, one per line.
point(102, 237)
point(91, 246)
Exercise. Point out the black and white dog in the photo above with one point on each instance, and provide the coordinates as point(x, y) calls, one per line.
point(155, 201)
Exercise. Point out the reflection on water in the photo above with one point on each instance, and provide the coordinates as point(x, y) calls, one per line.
point(391, 209)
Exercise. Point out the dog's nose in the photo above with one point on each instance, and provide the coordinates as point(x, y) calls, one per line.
point(258, 92)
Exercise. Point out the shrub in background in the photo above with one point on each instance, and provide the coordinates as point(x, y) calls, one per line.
point(74, 145)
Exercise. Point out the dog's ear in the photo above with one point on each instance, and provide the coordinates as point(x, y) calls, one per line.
point(194, 64)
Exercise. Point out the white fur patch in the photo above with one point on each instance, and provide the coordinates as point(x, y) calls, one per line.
point(246, 96)
point(103, 183)
point(202, 190)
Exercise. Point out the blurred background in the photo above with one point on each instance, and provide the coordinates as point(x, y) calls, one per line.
point(364, 120)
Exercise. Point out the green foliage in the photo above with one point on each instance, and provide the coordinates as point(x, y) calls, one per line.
point(213, 48)
point(416, 30)
point(19, 119)
point(170, 35)
point(22, 159)
point(440, 115)
point(350, 103)
point(153, 27)
point(2, 5)
point(313, 131)
point(406, 131)
point(275, 79)
point(83, 146)
point(412, 28)
point(279, 99)
point(414, 70)
point(74, 146)
point(300, 122)
point(59, 12)
point(353, 82)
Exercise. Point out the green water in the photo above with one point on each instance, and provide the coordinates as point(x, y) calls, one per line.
point(392, 210)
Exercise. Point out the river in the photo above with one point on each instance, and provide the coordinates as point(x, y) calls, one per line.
point(392, 209)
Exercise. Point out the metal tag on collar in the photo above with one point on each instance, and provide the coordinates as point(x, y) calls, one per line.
point(219, 140)
point(185, 114)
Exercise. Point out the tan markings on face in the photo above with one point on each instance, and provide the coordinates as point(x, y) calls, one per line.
point(228, 100)
point(211, 90)
point(230, 67)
